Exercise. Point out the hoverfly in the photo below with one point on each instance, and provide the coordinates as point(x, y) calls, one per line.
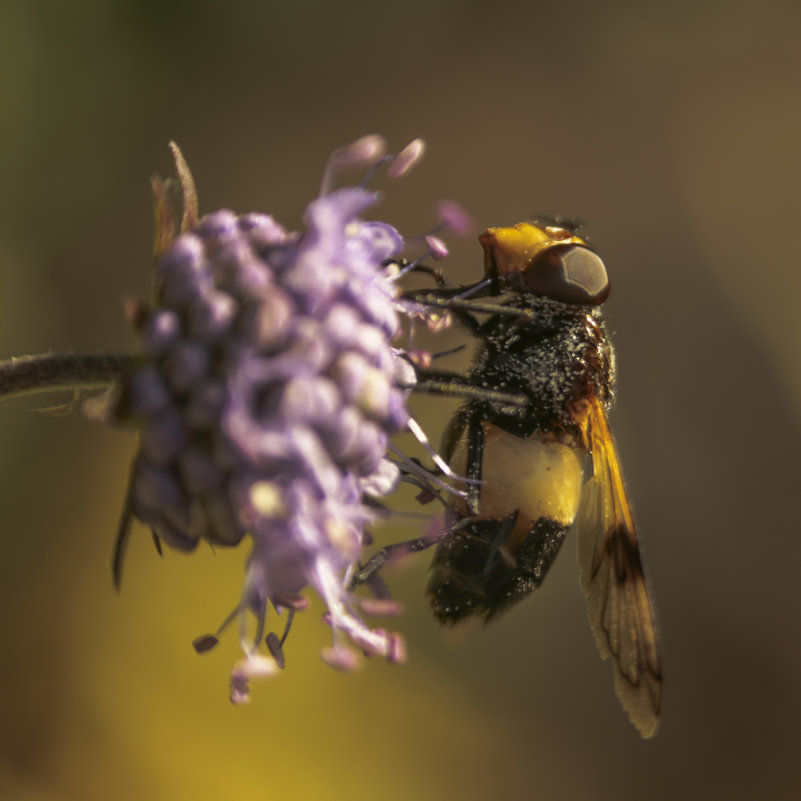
point(534, 442)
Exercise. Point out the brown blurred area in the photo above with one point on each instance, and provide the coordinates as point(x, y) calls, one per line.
point(672, 131)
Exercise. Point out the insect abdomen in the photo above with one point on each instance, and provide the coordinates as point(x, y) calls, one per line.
point(527, 501)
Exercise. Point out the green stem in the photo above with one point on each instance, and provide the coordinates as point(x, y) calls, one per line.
point(49, 372)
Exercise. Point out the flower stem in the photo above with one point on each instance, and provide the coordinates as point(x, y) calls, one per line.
point(50, 372)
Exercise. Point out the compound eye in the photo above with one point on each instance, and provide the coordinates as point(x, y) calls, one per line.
point(569, 274)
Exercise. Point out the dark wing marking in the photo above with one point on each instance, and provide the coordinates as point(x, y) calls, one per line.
point(618, 603)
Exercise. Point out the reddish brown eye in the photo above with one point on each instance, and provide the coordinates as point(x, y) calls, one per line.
point(570, 274)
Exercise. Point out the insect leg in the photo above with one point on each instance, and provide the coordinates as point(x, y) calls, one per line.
point(455, 385)
point(475, 451)
point(449, 304)
point(457, 304)
point(382, 556)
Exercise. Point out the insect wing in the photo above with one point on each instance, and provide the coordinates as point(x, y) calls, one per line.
point(618, 602)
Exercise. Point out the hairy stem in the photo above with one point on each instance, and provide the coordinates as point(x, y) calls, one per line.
point(50, 372)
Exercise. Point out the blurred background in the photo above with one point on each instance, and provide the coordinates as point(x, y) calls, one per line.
point(672, 130)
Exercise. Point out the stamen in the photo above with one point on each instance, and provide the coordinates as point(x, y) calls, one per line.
point(261, 616)
point(425, 496)
point(366, 150)
point(439, 321)
point(253, 599)
point(453, 216)
point(424, 478)
point(420, 358)
point(274, 646)
point(397, 648)
point(290, 618)
point(205, 642)
point(407, 158)
point(381, 607)
point(251, 667)
point(295, 603)
point(436, 247)
point(399, 164)
point(486, 283)
point(421, 437)
point(371, 641)
point(340, 657)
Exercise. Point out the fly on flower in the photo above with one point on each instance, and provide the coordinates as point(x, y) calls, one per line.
point(266, 392)
point(534, 442)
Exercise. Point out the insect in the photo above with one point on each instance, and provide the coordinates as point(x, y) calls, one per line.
point(533, 440)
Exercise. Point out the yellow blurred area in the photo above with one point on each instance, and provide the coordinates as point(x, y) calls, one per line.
point(672, 131)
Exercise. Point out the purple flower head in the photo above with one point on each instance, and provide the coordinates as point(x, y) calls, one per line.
point(267, 391)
